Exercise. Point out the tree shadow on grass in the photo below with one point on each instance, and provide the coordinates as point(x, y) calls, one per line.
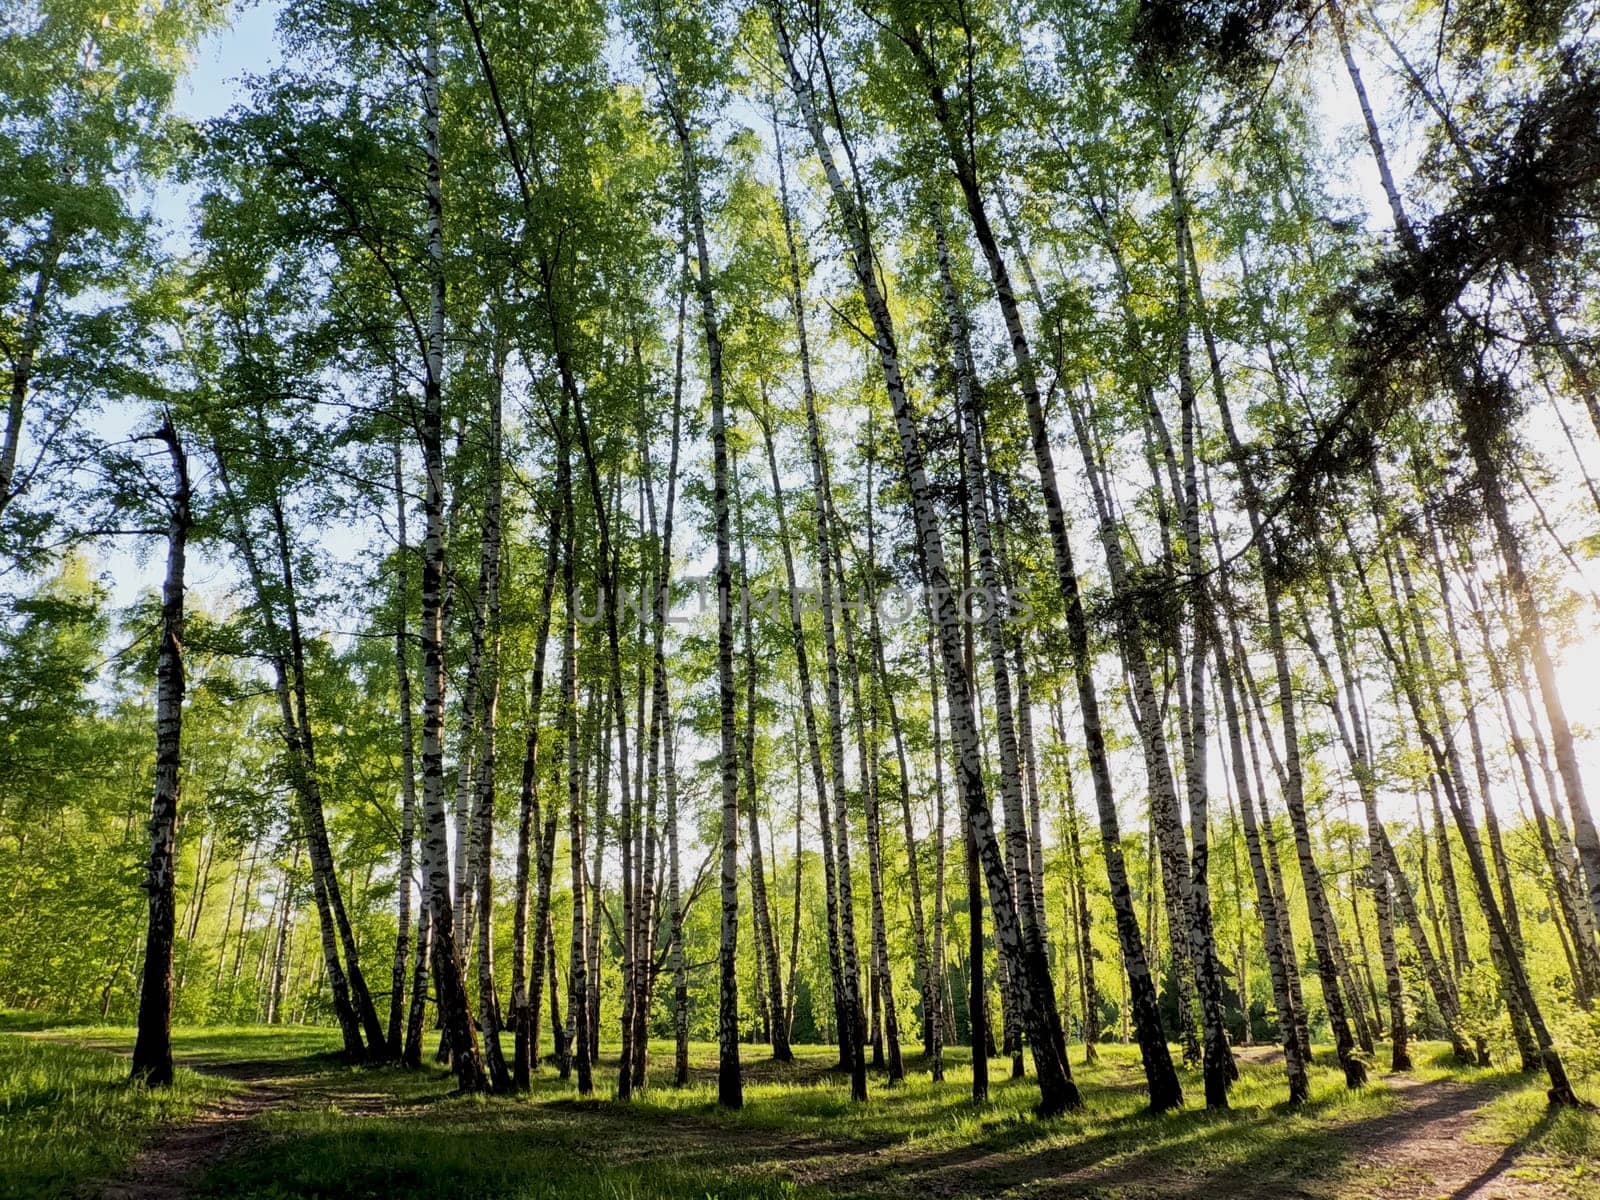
point(502, 1152)
point(419, 1139)
point(1507, 1157)
point(1253, 1151)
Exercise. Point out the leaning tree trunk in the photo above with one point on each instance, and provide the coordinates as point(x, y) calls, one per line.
point(974, 475)
point(1322, 930)
point(1477, 404)
point(1057, 1090)
point(1419, 654)
point(1160, 1075)
point(1513, 975)
point(1491, 822)
point(1251, 700)
point(1029, 839)
point(152, 1047)
point(1502, 867)
point(1220, 1069)
point(1192, 917)
point(841, 1007)
point(1532, 621)
point(308, 801)
point(1553, 838)
point(1274, 919)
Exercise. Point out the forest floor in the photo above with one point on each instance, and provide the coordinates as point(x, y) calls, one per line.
point(273, 1113)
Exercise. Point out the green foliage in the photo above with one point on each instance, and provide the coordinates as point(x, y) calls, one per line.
point(87, 88)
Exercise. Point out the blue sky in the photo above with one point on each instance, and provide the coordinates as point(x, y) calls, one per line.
point(246, 45)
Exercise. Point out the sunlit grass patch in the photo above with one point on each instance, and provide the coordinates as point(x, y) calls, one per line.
point(69, 1116)
point(223, 1043)
point(348, 1132)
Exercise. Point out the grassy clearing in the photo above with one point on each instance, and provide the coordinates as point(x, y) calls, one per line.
point(799, 1135)
point(351, 1134)
point(68, 1115)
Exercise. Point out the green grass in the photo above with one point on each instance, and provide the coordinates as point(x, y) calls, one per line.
point(800, 1135)
point(68, 1115)
point(351, 1133)
point(1555, 1146)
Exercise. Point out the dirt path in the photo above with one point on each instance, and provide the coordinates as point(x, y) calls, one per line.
point(171, 1165)
point(173, 1162)
point(1420, 1151)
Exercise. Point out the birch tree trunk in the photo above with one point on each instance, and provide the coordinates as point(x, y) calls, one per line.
point(1509, 965)
point(1252, 710)
point(1057, 1090)
point(647, 759)
point(577, 980)
point(730, 1086)
point(489, 704)
point(996, 606)
point(868, 741)
point(1553, 838)
point(761, 914)
point(416, 1015)
point(152, 1047)
point(853, 1029)
point(408, 769)
point(525, 996)
point(843, 1012)
point(286, 652)
point(661, 742)
point(1220, 1070)
point(1322, 930)
point(454, 1007)
point(599, 748)
point(1415, 669)
point(919, 937)
point(1160, 1075)
point(1352, 733)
